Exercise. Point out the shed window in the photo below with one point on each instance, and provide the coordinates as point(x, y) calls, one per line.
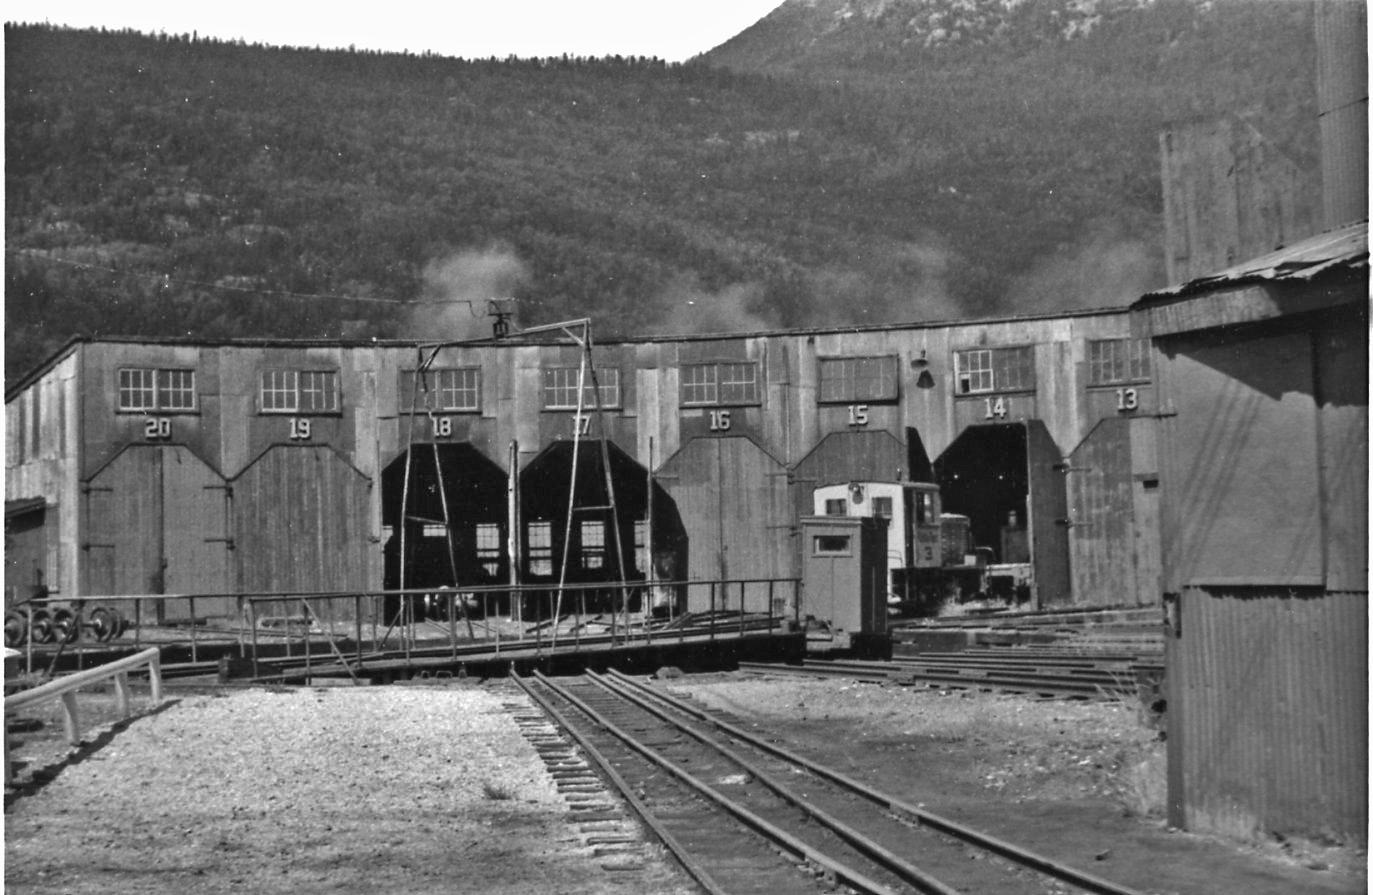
point(995, 370)
point(836, 507)
point(560, 388)
point(540, 548)
point(1111, 361)
point(844, 380)
point(489, 547)
point(143, 390)
point(831, 545)
point(881, 506)
point(593, 544)
point(453, 389)
point(720, 383)
point(299, 391)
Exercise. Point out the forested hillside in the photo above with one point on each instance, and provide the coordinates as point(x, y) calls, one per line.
point(169, 185)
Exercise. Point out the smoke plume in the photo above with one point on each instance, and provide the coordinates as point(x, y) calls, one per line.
point(458, 289)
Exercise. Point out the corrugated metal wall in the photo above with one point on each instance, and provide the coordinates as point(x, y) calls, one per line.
point(1268, 712)
point(1241, 461)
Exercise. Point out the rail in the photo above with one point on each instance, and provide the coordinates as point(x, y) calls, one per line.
point(66, 687)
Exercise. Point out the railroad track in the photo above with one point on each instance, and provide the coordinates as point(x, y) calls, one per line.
point(1092, 677)
point(744, 814)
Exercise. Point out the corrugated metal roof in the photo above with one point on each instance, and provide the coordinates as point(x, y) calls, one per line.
point(1343, 247)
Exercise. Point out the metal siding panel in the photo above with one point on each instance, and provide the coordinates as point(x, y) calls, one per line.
point(1342, 359)
point(1242, 468)
point(1271, 692)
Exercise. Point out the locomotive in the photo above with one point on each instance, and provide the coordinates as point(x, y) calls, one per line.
point(933, 566)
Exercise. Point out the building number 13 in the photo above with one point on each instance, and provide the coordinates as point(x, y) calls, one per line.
point(1127, 399)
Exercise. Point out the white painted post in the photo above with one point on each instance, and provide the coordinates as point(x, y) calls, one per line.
point(155, 677)
point(121, 691)
point(71, 722)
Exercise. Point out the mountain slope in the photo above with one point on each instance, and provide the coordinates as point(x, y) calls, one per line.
point(174, 186)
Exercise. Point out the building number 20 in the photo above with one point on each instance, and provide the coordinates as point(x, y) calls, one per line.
point(157, 428)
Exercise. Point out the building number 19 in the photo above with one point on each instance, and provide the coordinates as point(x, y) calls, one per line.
point(300, 428)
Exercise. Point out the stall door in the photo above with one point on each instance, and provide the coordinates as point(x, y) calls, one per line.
point(734, 506)
point(155, 525)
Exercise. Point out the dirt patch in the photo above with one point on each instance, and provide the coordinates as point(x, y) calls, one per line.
point(1082, 782)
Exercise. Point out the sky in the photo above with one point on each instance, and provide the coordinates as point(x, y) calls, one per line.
point(673, 31)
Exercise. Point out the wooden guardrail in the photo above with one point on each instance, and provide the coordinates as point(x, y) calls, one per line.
point(66, 687)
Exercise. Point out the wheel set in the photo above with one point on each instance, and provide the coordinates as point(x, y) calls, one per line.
point(25, 624)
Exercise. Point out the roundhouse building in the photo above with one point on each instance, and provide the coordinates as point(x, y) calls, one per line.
point(160, 466)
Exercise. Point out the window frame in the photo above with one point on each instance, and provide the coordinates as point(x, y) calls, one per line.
point(991, 374)
point(467, 380)
point(298, 389)
point(850, 390)
point(569, 398)
point(542, 551)
point(159, 390)
point(817, 550)
point(722, 387)
point(1137, 362)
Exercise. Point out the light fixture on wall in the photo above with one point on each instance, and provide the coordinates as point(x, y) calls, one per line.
point(921, 362)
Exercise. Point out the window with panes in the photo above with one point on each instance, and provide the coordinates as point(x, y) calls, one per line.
point(723, 383)
point(1112, 361)
point(444, 390)
point(151, 390)
point(981, 370)
point(299, 391)
point(540, 548)
point(560, 388)
point(846, 380)
point(489, 547)
point(593, 544)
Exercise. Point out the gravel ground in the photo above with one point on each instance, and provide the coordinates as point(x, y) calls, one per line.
point(386, 789)
point(436, 788)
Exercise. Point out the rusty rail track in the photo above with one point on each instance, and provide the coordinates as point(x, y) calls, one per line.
point(751, 815)
point(1080, 677)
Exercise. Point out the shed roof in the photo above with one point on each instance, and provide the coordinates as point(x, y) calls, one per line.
point(1343, 247)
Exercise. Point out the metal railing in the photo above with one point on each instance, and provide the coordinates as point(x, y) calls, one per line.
point(65, 688)
point(349, 627)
